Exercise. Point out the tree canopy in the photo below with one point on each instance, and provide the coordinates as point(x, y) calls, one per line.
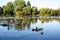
point(20, 8)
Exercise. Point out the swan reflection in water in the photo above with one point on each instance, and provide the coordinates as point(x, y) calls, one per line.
point(37, 29)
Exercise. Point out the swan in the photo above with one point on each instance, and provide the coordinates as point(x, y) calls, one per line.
point(4, 24)
point(37, 29)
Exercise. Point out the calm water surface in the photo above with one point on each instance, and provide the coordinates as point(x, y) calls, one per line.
point(21, 29)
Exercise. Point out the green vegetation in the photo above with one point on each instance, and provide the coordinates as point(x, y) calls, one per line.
point(8, 9)
point(20, 8)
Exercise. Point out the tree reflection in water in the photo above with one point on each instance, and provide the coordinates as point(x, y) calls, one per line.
point(24, 23)
point(20, 24)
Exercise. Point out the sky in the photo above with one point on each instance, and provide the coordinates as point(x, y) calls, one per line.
point(3, 2)
point(54, 4)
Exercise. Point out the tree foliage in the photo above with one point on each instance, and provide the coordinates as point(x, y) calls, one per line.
point(34, 10)
point(8, 9)
point(20, 8)
point(1, 10)
point(28, 3)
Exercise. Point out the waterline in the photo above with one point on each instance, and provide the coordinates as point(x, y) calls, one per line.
point(30, 17)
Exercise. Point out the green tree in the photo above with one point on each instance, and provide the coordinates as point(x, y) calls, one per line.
point(8, 9)
point(52, 12)
point(58, 11)
point(42, 12)
point(47, 12)
point(27, 10)
point(18, 6)
point(34, 11)
point(1, 11)
point(28, 3)
point(19, 3)
point(18, 12)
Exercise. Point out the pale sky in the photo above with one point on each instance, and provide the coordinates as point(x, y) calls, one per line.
point(38, 3)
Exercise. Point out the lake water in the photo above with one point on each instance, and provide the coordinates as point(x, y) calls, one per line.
point(21, 29)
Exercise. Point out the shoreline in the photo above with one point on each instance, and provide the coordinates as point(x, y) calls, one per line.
point(30, 17)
